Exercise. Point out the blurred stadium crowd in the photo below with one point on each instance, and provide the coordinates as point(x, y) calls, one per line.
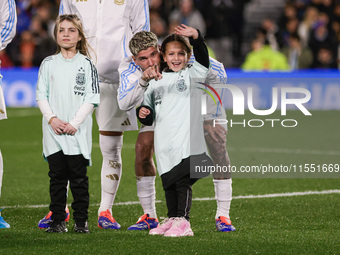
point(303, 34)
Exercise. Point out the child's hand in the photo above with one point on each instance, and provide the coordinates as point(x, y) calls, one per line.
point(143, 112)
point(69, 129)
point(152, 72)
point(186, 31)
point(57, 125)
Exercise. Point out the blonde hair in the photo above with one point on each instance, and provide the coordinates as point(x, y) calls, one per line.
point(141, 41)
point(82, 45)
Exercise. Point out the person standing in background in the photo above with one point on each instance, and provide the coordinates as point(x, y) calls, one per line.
point(8, 21)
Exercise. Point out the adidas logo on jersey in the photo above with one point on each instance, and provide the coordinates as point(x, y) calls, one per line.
point(126, 122)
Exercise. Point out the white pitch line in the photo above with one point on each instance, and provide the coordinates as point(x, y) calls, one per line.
point(29, 112)
point(292, 194)
point(260, 150)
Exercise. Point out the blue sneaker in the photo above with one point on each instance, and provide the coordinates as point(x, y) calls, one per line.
point(46, 221)
point(223, 224)
point(145, 223)
point(106, 221)
point(3, 223)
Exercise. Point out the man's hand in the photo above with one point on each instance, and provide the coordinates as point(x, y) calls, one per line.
point(217, 132)
point(152, 72)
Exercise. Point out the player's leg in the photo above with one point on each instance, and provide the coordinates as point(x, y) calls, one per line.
point(79, 184)
point(181, 225)
point(58, 174)
point(3, 223)
point(112, 122)
point(145, 171)
point(111, 171)
point(222, 181)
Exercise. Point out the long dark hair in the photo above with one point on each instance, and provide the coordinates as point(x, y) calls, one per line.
point(174, 38)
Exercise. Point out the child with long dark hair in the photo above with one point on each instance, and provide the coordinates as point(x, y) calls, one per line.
point(173, 103)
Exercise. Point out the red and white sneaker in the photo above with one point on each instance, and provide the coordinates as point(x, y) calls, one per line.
point(164, 226)
point(180, 227)
point(223, 224)
point(145, 223)
point(106, 221)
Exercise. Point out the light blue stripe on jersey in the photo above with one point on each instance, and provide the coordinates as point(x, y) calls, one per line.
point(124, 94)
point(218, 67)
point(147, 18)
point(221, 74)
point(124, 45)
point(61, 8)
point(123, 91)
point(124, 76)
point(10, 22)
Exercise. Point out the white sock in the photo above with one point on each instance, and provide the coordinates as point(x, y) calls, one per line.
point(111, 147)
point(223, 196)
point(1, 171)
point(147, 194)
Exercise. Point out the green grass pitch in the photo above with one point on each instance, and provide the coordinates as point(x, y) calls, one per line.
point(308, 224)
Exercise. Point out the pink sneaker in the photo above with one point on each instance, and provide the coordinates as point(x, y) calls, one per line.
point(180, 227)
point(164, 226)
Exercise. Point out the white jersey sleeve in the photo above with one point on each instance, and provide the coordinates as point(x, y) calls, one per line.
point(216, 76)
point(42, 90)
point(130, 92)
point(8, 21)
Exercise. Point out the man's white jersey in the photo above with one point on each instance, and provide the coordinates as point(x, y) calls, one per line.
point(8, 21)
point(109, 25)
point(176, 101)
point(67, 84)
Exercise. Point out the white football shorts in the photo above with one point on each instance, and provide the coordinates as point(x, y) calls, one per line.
point(109, 116)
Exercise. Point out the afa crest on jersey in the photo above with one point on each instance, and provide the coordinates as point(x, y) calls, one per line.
point(181, 86)
point(80, 79)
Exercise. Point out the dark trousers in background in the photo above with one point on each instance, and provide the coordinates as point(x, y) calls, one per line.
point(64, 168)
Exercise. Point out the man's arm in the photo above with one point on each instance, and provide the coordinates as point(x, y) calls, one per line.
point(131, 86)
point(140, 17)
point(8, 22)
